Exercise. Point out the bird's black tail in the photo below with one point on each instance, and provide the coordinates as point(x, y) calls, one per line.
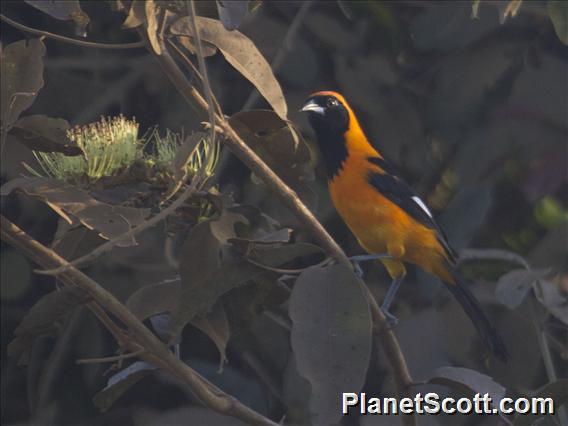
point(473, 310)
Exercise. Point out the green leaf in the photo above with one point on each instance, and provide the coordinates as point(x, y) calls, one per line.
point(277, 144)
point(553, 299)
point(204, 277)
point(72, 204)
point(232, 13)
point(163, 297)
point(245, 303)
point(558, 13)
point(557, 390)
point(216, 326)
point(493, 254)
point(475, 9)
point(22, 78)
point(182, 157)
point(331, 336)
point(210, 267)
point(468, 381)
point(466, 213)
point(242, 54)
point(45, 134)
point(244, 245)
point(44, 318)
point(73, 242)
point(154, 299)
point(65, 10)
point(16, 275)
point(514, 285)
point(274, 256)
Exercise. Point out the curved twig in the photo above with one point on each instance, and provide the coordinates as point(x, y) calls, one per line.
point(203, 69)
point(492, 254)
point(120, 357)
point(194, 69)
point(82, 43)
point(286, 271)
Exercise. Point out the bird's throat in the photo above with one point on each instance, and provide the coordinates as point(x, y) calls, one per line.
point(333, 147)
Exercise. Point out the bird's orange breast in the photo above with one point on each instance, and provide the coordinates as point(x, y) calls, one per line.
point(380, 225)
point(367, 213)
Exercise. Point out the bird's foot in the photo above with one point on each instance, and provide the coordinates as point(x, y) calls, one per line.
point(391, 319)
point(356, 261)
point(357, 268)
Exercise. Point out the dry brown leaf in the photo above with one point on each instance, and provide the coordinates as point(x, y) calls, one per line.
point(136, 15)
point(216, 326)
point(22, 77)
point(152, 11)
point(242, 54)
point(73, 204)
point(179, 164)
point(331, 336)
point(276, 143)
point(46, 134)
point(44, 318)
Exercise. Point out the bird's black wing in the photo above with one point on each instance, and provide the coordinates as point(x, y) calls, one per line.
point(391, 185)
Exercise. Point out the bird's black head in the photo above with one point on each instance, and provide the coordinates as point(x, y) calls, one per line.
point(327, 110)
point(330, 117)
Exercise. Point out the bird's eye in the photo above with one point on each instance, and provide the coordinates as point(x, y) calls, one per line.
point(332, 103)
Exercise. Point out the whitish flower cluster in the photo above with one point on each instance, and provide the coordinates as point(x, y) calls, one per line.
point(111, 145)
point(108, 146)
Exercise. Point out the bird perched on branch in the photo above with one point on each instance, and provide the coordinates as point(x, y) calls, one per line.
point(389, 220)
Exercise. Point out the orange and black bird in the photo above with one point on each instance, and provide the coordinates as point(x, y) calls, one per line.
point(389, 220)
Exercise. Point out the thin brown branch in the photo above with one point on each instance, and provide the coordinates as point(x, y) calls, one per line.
point(493, 254)
point(187, 90)
point(194, 69)
point(387, 341)
point(158, 354)
point(202, 68)
point(286, 271)
point(120, 357)
point(82, 43)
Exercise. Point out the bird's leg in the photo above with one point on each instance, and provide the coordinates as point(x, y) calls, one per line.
point(364, 258)
point(389, 297)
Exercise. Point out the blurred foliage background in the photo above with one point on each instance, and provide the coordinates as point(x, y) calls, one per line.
point(474, 112)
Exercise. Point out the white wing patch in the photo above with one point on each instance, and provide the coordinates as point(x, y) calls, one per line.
point(418, 201)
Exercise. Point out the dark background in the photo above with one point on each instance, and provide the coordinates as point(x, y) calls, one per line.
point(473, 112)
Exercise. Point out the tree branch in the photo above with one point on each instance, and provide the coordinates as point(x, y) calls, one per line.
point(158, 354)
point(82, 43)
point(202, 68)
point(115, 358)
